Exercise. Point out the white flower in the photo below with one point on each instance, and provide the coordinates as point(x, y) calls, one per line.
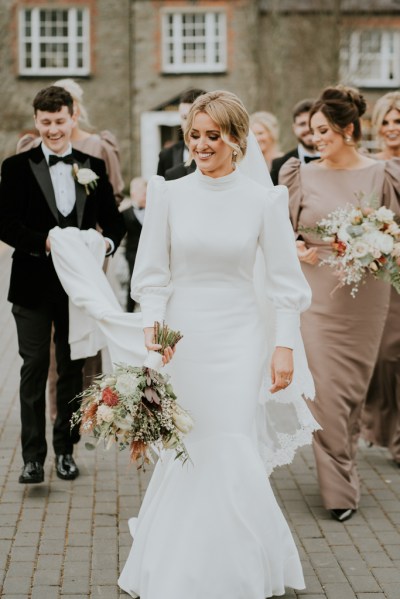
point(393, 229)
point(126, 383)
point(109, 381)
point(343, 233)
point(379, 243)
point(359, 249)
point(384, 215)
point(104, 414)
point(396, 250)
point(85, 176)
point(182, 420)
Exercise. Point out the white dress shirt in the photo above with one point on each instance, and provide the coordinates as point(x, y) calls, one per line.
point(303, 153)
point(63, 181)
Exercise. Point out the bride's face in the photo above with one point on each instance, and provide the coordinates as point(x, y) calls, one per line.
point(211, 154)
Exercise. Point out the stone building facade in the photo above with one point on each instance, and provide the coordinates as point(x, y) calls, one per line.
point(135, 57)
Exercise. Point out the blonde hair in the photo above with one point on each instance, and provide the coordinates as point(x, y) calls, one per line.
point(227, 111)
point(383, 105)
point(268, 121)
point(77, 94)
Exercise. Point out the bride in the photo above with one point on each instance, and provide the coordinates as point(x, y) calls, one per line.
point(212, 528)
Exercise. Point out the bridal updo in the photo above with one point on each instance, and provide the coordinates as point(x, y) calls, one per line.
point(341, 106)
point(228, 111)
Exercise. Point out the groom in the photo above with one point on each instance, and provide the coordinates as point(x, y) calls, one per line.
point(39, 190)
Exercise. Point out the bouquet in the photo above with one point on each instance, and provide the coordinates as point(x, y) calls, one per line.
point(364, 239)
point(136, 407)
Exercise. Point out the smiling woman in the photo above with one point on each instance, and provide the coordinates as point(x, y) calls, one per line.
point(341, 333)
point(195, 269)
point(382, 407)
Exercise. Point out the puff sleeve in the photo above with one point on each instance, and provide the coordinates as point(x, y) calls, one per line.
point(151, 279)
point(286, 286)
point(290, 176)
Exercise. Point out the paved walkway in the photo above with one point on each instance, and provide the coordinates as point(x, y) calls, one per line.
point(69, 539)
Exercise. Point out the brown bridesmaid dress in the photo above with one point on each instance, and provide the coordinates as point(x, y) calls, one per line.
point(341, 333)
point(381, 417)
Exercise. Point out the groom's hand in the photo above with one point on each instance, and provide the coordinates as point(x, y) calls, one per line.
point(47, 246)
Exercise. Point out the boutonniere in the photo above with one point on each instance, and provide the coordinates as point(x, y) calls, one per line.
point(85, 176)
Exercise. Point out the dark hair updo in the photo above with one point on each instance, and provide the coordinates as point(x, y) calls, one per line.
point(341, 106)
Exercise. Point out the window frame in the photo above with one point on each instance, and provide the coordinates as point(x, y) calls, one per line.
point(177, 39)
point(353, 55)
point(71, 40)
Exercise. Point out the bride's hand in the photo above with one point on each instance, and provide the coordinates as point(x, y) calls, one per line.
point(281, 368)
point(151, 346)
point(307, 255)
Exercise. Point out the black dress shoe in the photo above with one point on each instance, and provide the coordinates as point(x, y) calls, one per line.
point(342, 515)
point(66, 467)
point(32, 472)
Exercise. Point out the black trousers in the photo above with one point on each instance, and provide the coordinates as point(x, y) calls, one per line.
point(34, 334)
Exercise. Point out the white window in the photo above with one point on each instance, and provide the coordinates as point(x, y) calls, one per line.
point(371, 58)
point(54, 41)
point(194, 42)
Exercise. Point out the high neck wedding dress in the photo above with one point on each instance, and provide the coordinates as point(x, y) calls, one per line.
point(212, 528)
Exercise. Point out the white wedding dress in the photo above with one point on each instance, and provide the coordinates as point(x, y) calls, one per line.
point(212, 529)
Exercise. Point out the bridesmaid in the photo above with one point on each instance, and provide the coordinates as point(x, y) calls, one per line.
point(381, 418)
point(341, 334)
point(265, 127)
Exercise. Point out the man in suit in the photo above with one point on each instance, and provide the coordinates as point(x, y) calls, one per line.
point(305, 150)
point(171, 161)
point(39, 190)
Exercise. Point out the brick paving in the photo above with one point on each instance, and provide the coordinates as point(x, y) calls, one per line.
point(69, 539)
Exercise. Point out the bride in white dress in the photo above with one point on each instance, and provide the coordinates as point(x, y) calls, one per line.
point(212, 529)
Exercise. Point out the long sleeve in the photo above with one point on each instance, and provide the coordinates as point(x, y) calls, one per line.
point(16, 227)
point(287, 287)
point(151, 280)
point(290, 176)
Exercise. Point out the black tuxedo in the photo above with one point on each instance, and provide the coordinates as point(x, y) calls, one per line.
point(277, 164)
point(179, 171)
point(28, 211)
point(170, 157)
point(134, 229)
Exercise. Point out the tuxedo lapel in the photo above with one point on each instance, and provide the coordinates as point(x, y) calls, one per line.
point(80, 192)
point(42, 175)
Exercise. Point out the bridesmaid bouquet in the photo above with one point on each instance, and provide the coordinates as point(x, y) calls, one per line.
point(136, 407)
point(364, 240)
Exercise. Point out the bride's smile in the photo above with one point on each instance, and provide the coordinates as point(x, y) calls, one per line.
point(213, 156)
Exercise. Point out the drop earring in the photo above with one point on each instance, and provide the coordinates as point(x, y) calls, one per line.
point(348, 139)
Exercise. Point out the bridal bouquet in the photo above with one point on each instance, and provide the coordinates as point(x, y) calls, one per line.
point(364, 240)
point(136, 407)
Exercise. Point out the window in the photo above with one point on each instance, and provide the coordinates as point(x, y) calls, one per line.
point(371, 58)
point(54, 41)
point(194, 42)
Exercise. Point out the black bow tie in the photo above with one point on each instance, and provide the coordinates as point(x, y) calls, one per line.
point(53, 159)
point(308, 159)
